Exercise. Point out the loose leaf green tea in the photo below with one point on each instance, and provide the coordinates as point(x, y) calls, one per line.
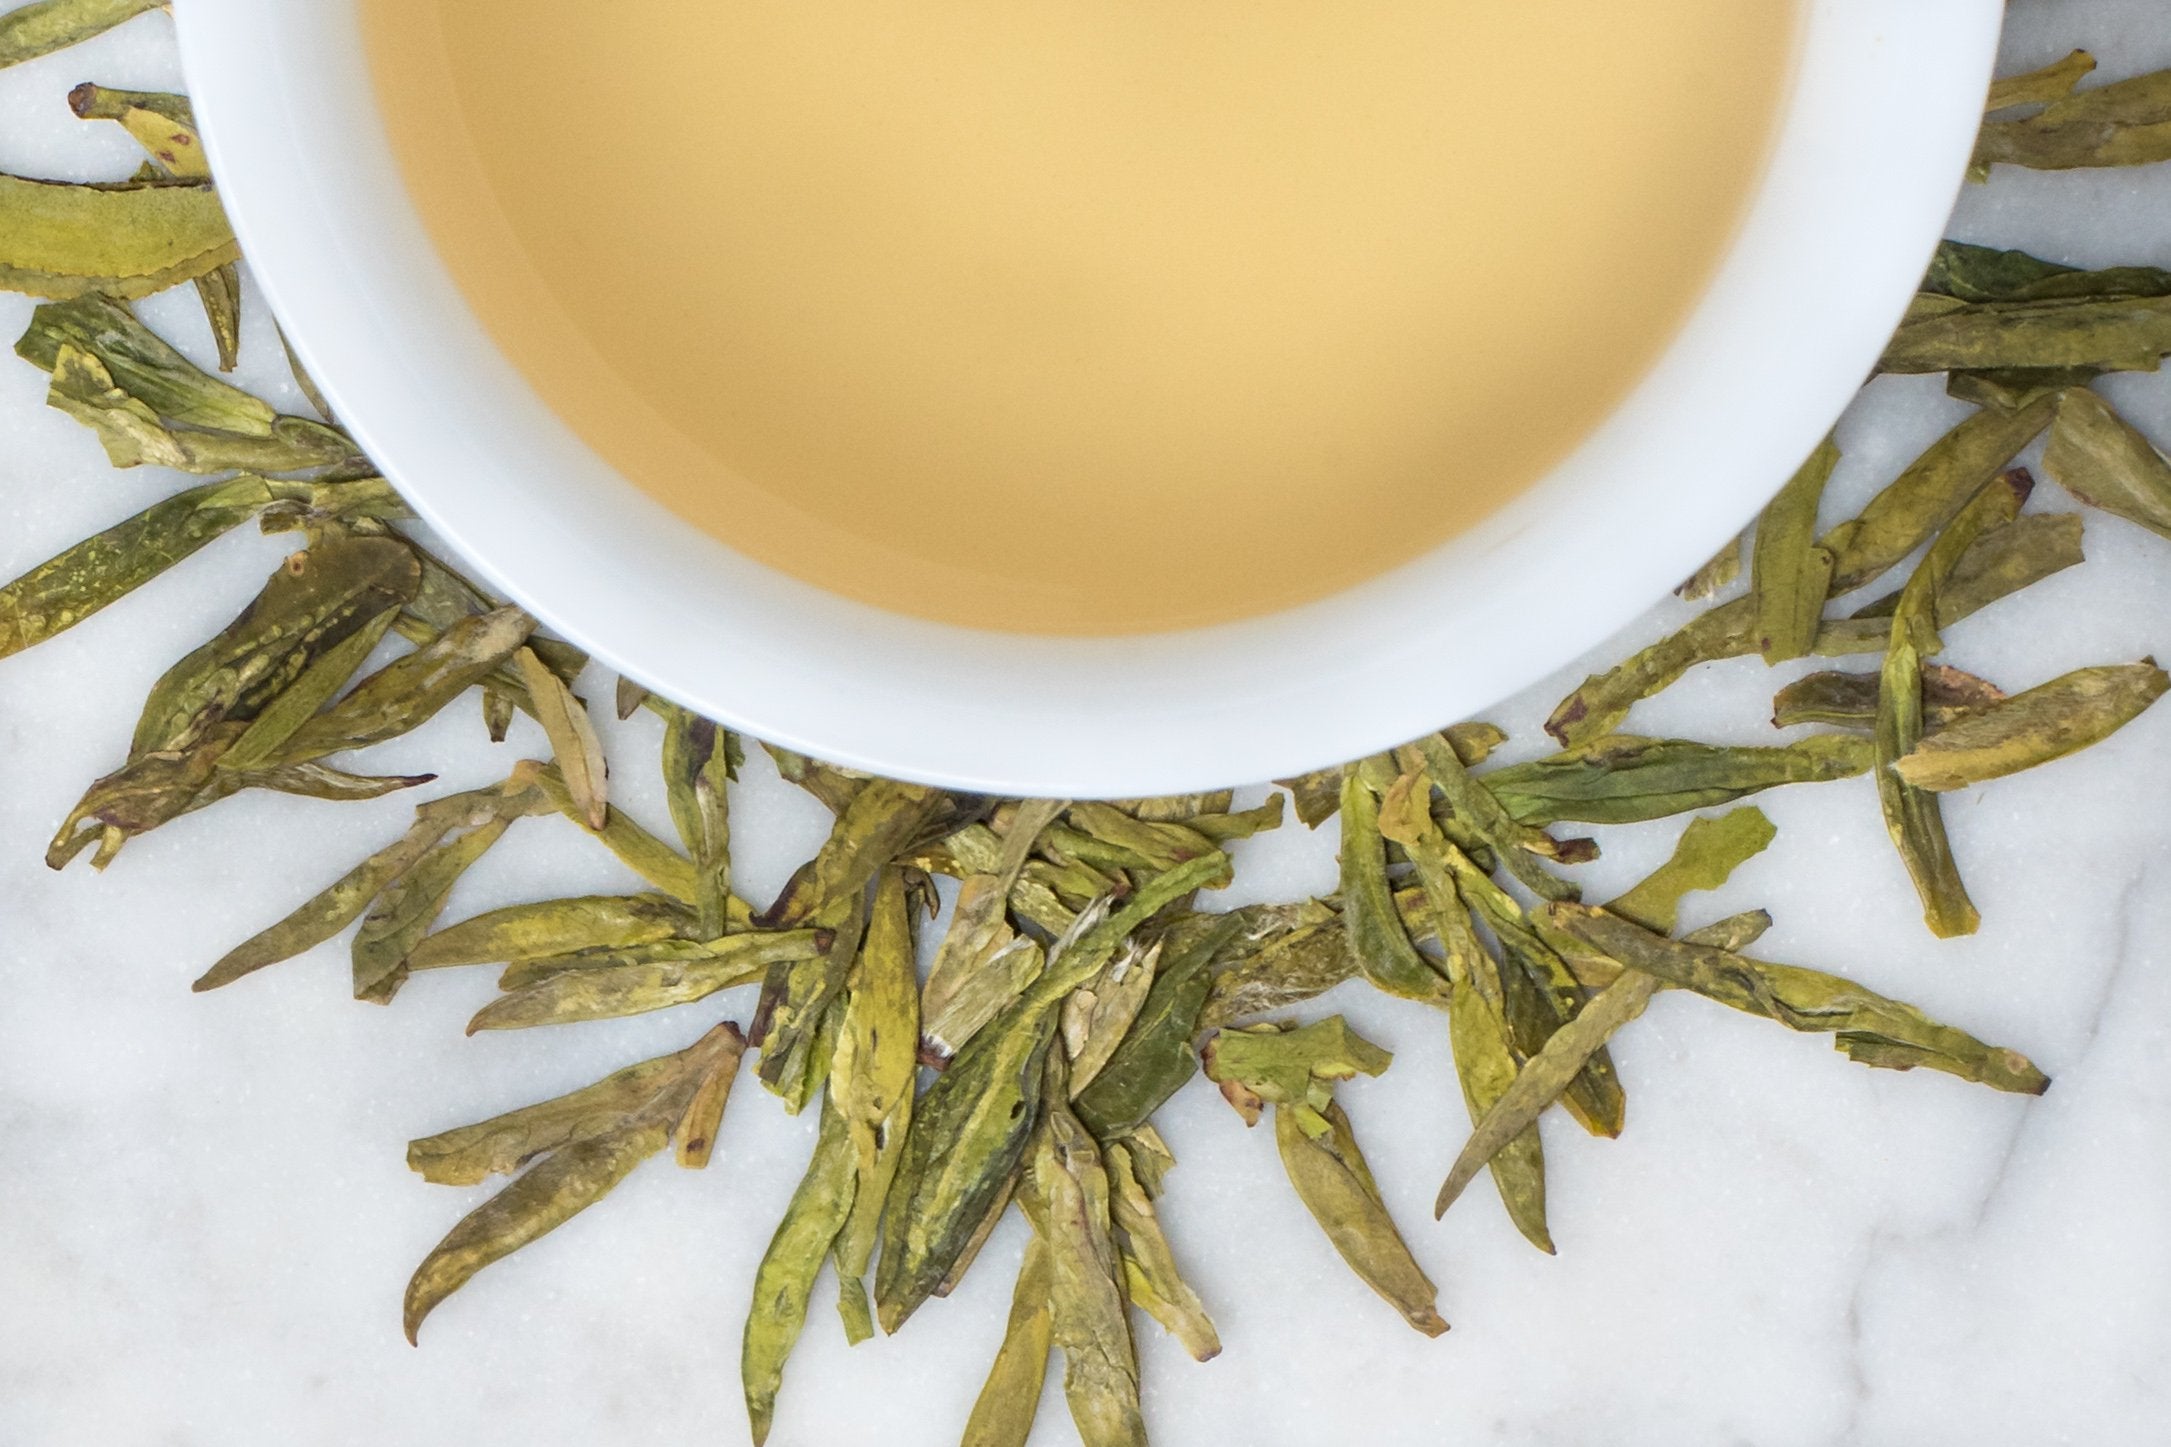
point(1082, 978)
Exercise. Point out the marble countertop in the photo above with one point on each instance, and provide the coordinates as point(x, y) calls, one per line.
point(206, 1222)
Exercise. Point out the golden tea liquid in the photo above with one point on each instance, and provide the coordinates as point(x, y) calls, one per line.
point(1082, 316)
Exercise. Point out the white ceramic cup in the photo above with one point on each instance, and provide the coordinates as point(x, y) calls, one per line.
point(1887, 97)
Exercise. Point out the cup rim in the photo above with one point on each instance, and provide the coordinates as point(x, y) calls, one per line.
point(1870, 151)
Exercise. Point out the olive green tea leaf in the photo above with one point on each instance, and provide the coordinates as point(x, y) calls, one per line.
point(1706, 856)
point(128, 239)
point(872, 1080)
point(75, 583)
point(1003, 1413)
point(572, 736)
point(701, 1120)
point(2102, 460)
point(2113, 334)
point(586, 1143)
point(44, 26)
point(409, 691)
point(1280, 955)
point(1154, 1058)
point(2124, 123)
point(2054, 82)
point(1377, 940)
point(1716, 576)
point(700, 759)
point(784, 1282)
point(2047, 722)
point(1986, 273)
point(1151, 1277)
point(265, 739)
point(1336, 1186)
point(619, 985)
point(1849, 700)
point(1861, 1020)
point(553, 927)
point(410, 903)
point(1065, 1194)
point(1912, 815)
point(636, 848)
point(1790, 573)
point(1627, 780)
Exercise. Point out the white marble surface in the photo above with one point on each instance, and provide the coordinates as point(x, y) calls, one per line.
point(205, 1222)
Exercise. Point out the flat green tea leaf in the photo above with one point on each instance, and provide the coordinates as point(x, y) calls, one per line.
point(2040, 87)
point(882, 819)
point(1912, 816)
point(127, 240)
point(1868, 1026)
point(1336, 1186)
point(634, 987)
point(1790, 573)
point(1154, 1058)
point(1985, 273)
point(2047, 722)
point(1626, 780)
point(1003, 1413)
point(2102, 460)
point(589, 1142)
point(1065, 1194)
point(1377, 940)
point(969, 1135)
point(2125, 123)
point(636, 848)
point(553, 927)
point(700, 760)
point(44, 26)
point(2116, 334)
point(784, 1282)
point(1281, 955)
point(1706, 856)
point(409, 691)
point(329, 672)
point(75, 583)
point(1154, 1283)
point(573, 741)
point(410, 903)
point(1716, 576)
point(872, 1080)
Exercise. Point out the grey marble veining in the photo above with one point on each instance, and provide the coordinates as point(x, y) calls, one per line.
point(205, 1221)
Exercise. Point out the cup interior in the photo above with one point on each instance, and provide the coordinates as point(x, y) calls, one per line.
point(1870, 150)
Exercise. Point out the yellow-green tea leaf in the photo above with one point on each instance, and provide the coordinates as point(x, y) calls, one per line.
point(2047, 722)
point(573, 741)
point(44, 26)
point(784, 1282)
point(2102, 460)
point(127, 240)
point(1789, 572)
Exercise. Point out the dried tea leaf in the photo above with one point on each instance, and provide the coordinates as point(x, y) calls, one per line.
point(703, 1117)
point(411, 690)
point(1706, 856)
point(410, 903)
point(1335, 1185)
point(1931, 492)
point(1377, 940)
point(1598, 705)
point(1243, 824)
point(1098, 1015)
point(1715, 576)
point(1154, 1058)
point(44, 26)
point(553, 927)
point(1003, 1413)
point(700, 759)
point(1849, 700)
point(263, 741)
point(634, 986)
point(1473, 807)
point(1149, 845)
point(639, 850)
point(128, 239)
point(1281, 955)
point(784, 1282)
point(882, 819)
point(1912, 816)
point(2102, 460)
point(1867, 1026)
point(1294, 1066)
point(1153, 1281)
point(2116, 334)
point(1789, 572)
point(1065, 1195)
point(1626, 780)
point(590, 1141)
point(1985, 273)
point(1512, 1115)
point(133, 434)
point(629, 697)
point(871, 1082)
point(2047, 722)
point(573, 741)
point(969, 1135)
point(2040, 87)
point(2125, 123)
point(161, 123)
point(70, 586)
point(1316, 795)
point(1486, 1064)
